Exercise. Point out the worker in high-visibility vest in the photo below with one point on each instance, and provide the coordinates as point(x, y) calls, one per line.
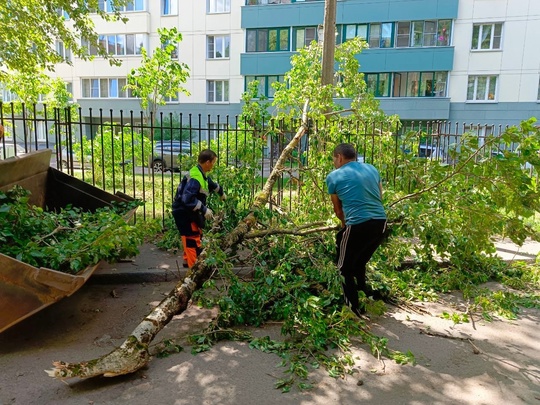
point(189, 207)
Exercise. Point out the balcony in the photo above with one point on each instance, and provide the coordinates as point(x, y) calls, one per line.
point(266, 2)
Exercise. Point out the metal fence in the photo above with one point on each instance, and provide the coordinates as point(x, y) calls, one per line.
point(65, 131)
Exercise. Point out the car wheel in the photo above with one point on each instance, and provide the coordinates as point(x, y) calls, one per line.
point(65, 164)
point(158, 165)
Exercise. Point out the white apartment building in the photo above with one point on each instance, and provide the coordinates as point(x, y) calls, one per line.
point(481, 56)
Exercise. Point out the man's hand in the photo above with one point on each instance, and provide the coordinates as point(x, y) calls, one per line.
point(223, 197)
point(209, 214)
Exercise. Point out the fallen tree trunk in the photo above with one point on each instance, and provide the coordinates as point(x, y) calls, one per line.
point(133, 353)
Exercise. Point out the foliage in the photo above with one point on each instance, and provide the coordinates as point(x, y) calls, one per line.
point(68, 240)
point(443, 212)
point(303, 82)
point(170, 126)
point(29, 29)
point(159, 76)
point(114, 147)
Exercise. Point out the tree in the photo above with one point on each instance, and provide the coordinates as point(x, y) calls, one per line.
point(449, 209)
point(159, 76)
point(29, 30)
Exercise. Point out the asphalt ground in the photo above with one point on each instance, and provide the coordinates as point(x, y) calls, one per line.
point(153, 264)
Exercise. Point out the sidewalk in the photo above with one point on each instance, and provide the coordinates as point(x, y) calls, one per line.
point(155, 265)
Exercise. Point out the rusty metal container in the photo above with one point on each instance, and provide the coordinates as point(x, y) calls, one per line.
point(25, 289)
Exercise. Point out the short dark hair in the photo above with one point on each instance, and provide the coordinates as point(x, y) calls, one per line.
point(206, 155)
point(346, 150)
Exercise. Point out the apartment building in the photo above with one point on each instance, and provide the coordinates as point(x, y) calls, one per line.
point(471, 61)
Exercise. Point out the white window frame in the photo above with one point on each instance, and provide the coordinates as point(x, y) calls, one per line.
point(212, 45)
point(218, 6)
point(481, 27)
point(486, 97)
point(64, 52)
point(213, 87)
point(97, 86)
point(169, 7)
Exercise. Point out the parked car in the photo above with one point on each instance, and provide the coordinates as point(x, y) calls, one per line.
point(66, 159)
point(8, 150)
point(166, 155)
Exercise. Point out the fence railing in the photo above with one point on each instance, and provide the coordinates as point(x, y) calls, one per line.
point(146, 158)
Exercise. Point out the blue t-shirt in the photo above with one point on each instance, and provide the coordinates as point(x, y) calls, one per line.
point(357, 186)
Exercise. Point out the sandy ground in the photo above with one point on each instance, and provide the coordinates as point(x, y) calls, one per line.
point(475, 363)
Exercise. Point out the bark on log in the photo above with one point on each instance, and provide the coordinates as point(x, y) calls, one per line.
point(133, 353)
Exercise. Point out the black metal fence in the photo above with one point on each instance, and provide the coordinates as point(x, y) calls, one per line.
point(145, 156)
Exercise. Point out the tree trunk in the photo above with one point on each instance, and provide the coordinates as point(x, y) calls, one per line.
point(133, 353)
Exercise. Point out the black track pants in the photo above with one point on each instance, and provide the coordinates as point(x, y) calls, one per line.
point(355, 246)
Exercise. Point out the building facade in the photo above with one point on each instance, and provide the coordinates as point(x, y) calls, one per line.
point(474, 61)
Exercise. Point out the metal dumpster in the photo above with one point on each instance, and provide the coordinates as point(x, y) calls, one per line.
point(25, 289)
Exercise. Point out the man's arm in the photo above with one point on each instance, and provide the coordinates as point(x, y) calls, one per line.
point(338, 208)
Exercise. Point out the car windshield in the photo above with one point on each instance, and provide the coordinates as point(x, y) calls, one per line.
point(172, 146)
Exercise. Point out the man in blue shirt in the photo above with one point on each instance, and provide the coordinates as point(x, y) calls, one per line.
point(189, 207)
point(356, 193)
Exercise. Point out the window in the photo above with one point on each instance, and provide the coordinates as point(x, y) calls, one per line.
point(218, 46)
point(118, 45)
point(169, 7)
point(354, 30)
point(133, 5)
point(420, 84)
point(64, 53)
point(171, 99)
point(218, 6)
point(486, 36)
point(538, 97)
point(304, 37)
point(105, 88)
point(265, 84)
point(378, 84)
point(425, 33)
point(7, 96)
point(217, 91)
point(482, 88)
point(268, 40)
point(443, 32)
point(374, 35)
point(403, 35)
point(380, 35)
point(173, 50)
point(61, 12)
point(69, 89)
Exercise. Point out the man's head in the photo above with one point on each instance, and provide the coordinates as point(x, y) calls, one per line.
point(343, 153)
point(207, 159)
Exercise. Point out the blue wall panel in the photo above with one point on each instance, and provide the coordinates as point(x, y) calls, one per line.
point(407, 59)
point(265, 63)
point(494, 113)
point(420, 108)
point(348, 11)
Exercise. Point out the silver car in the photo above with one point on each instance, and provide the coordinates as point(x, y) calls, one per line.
point(166, 155)
point(8, 150)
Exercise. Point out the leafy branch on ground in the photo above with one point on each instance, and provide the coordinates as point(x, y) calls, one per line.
point(69, 240)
